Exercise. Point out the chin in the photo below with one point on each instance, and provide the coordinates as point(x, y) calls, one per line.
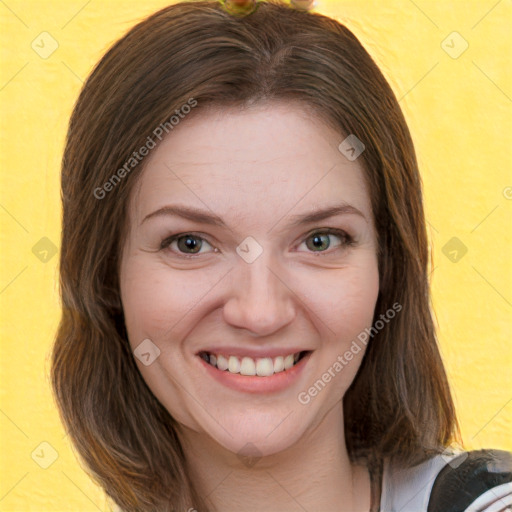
point(261, 439)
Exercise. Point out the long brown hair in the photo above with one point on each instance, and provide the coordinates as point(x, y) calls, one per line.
point(399, 405)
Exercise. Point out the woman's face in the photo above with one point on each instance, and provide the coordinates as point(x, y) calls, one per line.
point(251, 280)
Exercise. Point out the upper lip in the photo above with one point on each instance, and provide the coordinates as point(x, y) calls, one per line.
point(255, 353)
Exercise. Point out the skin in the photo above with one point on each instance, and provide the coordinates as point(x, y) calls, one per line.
point(255, 169)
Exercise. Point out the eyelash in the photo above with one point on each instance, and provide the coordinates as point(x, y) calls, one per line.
point(346, 241)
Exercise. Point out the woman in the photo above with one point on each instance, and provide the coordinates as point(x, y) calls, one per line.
point(244, 271)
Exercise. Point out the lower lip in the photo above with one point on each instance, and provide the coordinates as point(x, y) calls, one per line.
point(255, 384)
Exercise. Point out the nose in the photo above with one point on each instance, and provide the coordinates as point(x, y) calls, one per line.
point(260, 300)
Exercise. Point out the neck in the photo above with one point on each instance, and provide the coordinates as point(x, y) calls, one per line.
point(313, 474)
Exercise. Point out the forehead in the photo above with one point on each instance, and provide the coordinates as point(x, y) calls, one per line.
point(255, 162)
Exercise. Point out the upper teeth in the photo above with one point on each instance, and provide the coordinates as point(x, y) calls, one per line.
point(263, 367)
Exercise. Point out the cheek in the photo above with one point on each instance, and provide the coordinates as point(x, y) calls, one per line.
point(157, 299)
point(150, 301)
point(358, 298)
point(348, 309)
point(346, 298)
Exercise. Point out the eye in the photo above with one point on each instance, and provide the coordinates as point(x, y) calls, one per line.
point(320, 241)
point(189, 244)
point(186, 244)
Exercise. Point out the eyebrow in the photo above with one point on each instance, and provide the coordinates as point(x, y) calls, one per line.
point(205, 217)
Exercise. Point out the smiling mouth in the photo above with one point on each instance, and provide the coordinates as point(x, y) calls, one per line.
point(253, 367)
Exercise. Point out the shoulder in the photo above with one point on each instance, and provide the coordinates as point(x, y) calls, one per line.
point(470, 481)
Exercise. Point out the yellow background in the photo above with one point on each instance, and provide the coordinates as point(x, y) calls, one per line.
point(459, 111)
